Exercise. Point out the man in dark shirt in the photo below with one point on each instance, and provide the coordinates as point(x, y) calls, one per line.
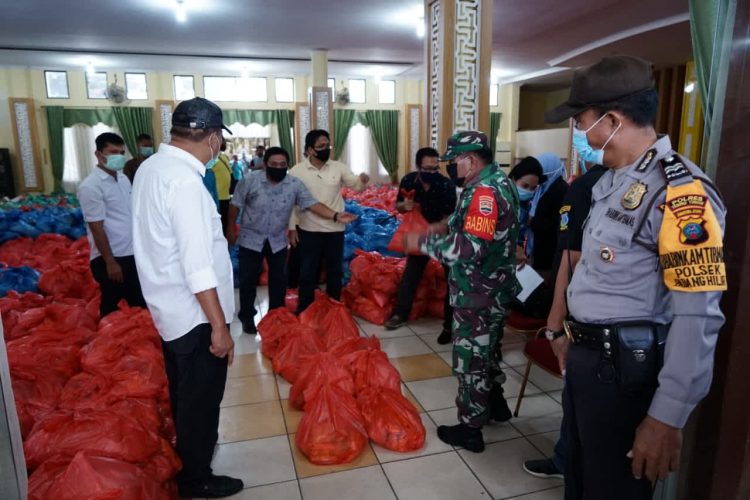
point(573, 213)
point(435, 196)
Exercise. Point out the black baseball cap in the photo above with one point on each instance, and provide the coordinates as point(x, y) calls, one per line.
point(198, 113)
point(610, 79)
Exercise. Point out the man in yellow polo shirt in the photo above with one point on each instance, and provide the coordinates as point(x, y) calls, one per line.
point(223, 173)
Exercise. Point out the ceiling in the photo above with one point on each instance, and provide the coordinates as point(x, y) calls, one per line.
point(534, 41)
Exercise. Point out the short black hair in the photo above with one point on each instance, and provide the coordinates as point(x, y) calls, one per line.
point(102, 140)
point(426, 153)
point(275, 150)
point(528, 166)
point(312, 137)
point(192, 134)
point(640, 108)
point(143, 137)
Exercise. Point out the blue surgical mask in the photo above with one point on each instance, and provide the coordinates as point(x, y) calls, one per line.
point(524, 194)
point(210, 164)
point(585, 151)
point(116, 162)
point(146, 151)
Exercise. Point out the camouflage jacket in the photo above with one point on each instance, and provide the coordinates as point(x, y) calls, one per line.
point(480, 245)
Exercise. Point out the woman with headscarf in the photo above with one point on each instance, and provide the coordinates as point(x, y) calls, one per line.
point(527, 176)
point(545, 213)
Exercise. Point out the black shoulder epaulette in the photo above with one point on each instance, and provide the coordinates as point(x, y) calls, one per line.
point(675, 171)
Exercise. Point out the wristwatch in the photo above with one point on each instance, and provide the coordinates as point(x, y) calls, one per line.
point(553, 335)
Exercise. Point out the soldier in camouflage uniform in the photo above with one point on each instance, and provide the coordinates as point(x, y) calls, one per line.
point(479, 249)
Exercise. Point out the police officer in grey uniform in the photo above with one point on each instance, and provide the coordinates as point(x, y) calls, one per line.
point(644, 298)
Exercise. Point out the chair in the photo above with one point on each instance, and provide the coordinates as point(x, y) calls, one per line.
point(521, 323)
point(539, 352)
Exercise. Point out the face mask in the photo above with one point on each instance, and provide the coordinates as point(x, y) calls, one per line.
point(524, 194)
point(213, 159)
point(452, 170)
point(146, 151)
point(323, 154)
point(429, 177)
point(585, 151)
point(115, 162)
point(276, 174)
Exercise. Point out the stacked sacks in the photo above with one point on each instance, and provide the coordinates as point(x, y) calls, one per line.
point(43, 215)
point(371, 232)
point(334, 366)
point(373, 289)
point(382, 197)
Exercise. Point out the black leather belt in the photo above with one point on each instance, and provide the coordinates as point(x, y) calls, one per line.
point(596, 336)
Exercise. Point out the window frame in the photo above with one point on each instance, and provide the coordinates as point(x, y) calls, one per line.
point(46, 83)
point(174, 85)
point(127, 91)
point(394, 91)
point(495, 91)
point(351, 99)
point(235, 98)
point(276, 88)
point(106, 83)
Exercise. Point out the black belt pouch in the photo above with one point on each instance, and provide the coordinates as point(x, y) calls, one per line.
point(638, 354)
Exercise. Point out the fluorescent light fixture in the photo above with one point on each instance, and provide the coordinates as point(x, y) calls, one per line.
point(690, 87)
point(180, 13)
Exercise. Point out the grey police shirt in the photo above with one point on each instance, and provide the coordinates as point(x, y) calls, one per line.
point(619, 279)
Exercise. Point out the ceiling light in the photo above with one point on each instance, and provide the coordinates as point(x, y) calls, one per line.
point(690, 87)
point(180, 13)
point(420, 27)
point(90, 69)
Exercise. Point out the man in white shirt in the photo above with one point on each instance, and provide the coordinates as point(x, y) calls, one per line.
point(321, 238)
point(186, 274)
point(105, 202)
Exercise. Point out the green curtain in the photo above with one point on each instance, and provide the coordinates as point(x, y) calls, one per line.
point(284, 120)
point(384, 128)
point(248, 116)
point(133, 122)
point(494, 129)
point(343, 119)
point(90, 117)
point(55, 128)
point(711, 24)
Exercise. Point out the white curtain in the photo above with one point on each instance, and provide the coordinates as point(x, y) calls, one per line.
point(359, 154)
point(78, 150)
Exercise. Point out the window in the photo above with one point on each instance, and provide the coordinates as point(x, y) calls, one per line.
point(57, 84)
point(284, 89)
point(357, 92)
point(494, 88)
point(332, 86)
point(96, 85)
point(230, 88)
point(184, 87)
point(135, 86)
point(387, 92)
point(359, 152)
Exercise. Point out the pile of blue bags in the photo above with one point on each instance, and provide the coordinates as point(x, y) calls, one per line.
point(371, 232)
point(21, 279)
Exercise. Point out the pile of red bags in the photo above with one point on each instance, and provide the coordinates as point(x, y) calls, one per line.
point(373, 289)
point(92, 399)
point(347, 387)
point(382, 197)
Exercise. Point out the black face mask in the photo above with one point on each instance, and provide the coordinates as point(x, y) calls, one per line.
point(275, 174)
point(452, 170)
point(429, 177)
point(323, 154)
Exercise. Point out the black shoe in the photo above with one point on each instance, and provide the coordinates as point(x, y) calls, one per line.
point(499, 410)
point(249, 327)
point(396, 321)
point(213, 487)
point(462, 435)
point(544, 468)
point(445, 337)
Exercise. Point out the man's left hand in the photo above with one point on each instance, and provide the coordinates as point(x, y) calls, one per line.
point(411, 243)
point(656, 449)
point(364, 178)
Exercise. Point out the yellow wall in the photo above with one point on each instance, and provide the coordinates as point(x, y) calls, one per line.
point(533, 104)
point(29, 83)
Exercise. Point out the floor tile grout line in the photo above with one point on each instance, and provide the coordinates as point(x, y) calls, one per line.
point(521, 496)
point(474, 474)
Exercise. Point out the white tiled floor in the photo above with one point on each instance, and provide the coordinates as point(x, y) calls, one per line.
point(437, 471)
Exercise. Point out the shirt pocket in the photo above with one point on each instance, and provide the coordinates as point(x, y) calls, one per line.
point(611, 256)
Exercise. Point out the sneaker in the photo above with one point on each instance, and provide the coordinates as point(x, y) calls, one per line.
point(445, 337)
point(249, 327)
point(499, 410)
point(396, 321)
point(462, 435)
point(544, 468)
point(213, 487)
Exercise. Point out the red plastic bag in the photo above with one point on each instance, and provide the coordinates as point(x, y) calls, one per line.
point(365, 308)
point(350, 345)
point(101, 478)
point(36, 394)
point(414, 222)
point(165, 464)
point(100, 432)
point(371, 367)
point(390, 419)
point(300, 340)
point(331, 430)
point(316, 312)
point(42, 481)
point(16, 251)
point(272, 329)
point(318, 369)
point(71, 279)
point(338, 324)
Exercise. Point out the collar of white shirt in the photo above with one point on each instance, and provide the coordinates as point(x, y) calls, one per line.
point(183, 155)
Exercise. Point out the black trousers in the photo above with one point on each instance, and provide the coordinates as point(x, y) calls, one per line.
point(196, 387)
point(314, 246)
point(112, 292)
point(600, 422)
point(415, 266)
point(224, 212)
point(251, 265)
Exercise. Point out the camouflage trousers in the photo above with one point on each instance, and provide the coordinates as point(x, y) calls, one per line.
point(476, 360)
